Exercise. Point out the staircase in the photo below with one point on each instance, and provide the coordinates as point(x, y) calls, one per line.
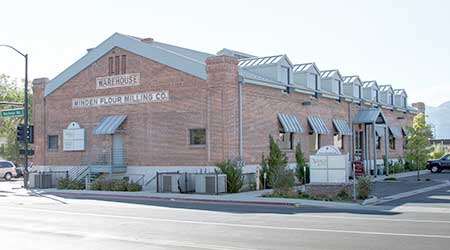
point(97, 162)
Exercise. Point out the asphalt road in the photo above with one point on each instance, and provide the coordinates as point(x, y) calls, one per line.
point(50, 222)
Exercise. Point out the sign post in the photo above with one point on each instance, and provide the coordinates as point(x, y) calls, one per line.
point(11, 113)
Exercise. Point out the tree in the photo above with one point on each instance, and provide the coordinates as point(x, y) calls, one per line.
point(301, 165)
point(275, 166)
point(11, 92)
point(418, 147)
point(438, 151)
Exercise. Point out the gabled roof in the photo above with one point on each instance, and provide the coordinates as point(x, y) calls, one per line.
point(330, 74)
point(186, 60)
point(234, 53)
point(370, 84)
point(386, 88)
point(400, 92)
point(304, 67)
point(369, 115)
point(259, 61)
point(351, 79)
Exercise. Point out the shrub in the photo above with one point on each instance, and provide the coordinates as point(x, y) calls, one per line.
point(134, 187)
point(233, 173)
point(119, 185)
point(66, 183)
point(96, 185)
point(282, 180)
point(390, 179)
point(363, 187)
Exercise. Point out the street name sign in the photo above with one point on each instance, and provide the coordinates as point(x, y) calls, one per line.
point(11, 112)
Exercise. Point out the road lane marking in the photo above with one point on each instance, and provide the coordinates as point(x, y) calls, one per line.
point(159, 242)
point(238, 225)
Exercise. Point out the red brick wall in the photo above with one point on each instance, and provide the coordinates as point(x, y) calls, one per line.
point(156, 134)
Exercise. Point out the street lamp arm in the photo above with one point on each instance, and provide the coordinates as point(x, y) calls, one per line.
point(11, 47)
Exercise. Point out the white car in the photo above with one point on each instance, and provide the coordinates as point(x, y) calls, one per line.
point(7, 170)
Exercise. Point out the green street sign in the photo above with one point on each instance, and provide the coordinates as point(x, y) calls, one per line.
point(11, 112)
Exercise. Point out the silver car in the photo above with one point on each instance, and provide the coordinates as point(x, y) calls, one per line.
point(7, 170)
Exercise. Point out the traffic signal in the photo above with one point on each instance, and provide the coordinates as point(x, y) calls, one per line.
point(30, 134)
point(21, 133)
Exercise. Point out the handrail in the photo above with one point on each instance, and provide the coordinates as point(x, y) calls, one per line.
point(151, 180)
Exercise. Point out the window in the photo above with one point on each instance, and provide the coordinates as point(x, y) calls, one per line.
point(286, 140)
point(111, 66)
point(375, 95)
point(52, 142)
point(314, 142)
point(285, 77)
point(391, 99)
point(124, 64)
point(197, 136)
point(378, 142)
point(338, 141)
point(5, 164)
point(404, 102)
point(391, 142)
point(117, 65)
point(357, 91)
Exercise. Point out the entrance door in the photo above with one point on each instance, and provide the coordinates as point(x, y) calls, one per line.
point(118, 154)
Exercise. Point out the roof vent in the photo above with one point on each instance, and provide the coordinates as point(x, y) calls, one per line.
point(147, 40)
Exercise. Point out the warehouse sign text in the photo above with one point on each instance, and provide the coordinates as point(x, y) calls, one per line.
point(125, 99)
point(118, 81)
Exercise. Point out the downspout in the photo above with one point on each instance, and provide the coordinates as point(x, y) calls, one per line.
point(386, 149)
point(375, 167)
point(241, 146)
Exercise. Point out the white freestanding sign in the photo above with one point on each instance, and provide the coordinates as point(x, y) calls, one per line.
point(74, 138)
point(329, 166)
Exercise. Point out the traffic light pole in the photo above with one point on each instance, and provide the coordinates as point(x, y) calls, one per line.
point(25, 115)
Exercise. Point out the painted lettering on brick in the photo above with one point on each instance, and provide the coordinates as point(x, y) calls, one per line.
point(118, 81)
point(125, 99)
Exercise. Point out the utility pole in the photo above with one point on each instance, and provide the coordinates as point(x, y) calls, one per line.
point(25, 115)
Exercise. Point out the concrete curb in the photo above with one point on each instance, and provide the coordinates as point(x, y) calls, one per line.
point(243, 201)
point(400, 175)
point(411, 193)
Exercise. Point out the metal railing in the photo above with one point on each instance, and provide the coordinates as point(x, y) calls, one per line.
point(104, 156)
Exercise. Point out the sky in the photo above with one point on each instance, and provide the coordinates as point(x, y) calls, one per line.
point(402, 43)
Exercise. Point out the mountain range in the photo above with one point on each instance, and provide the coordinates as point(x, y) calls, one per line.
point(439, 119)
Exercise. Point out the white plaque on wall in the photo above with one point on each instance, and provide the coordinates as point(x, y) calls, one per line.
point(118, 81)
point(74, 138)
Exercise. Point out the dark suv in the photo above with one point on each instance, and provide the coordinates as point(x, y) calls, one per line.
point(436, 166)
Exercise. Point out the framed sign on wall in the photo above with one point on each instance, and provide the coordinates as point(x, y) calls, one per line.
point(74, 138)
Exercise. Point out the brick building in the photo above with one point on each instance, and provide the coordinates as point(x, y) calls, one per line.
point(137, 106)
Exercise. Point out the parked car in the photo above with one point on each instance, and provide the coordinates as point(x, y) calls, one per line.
point(436, 166)
point(7, 170)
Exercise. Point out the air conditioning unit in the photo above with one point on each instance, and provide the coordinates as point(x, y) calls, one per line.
point(211, 183)
point(168, 183)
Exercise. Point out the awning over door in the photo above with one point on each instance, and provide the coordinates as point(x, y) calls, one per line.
point(342, 127)
point(379, 131)
point(290, 123)
point(395, 131)
point(318, 125)
point(109, 124)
